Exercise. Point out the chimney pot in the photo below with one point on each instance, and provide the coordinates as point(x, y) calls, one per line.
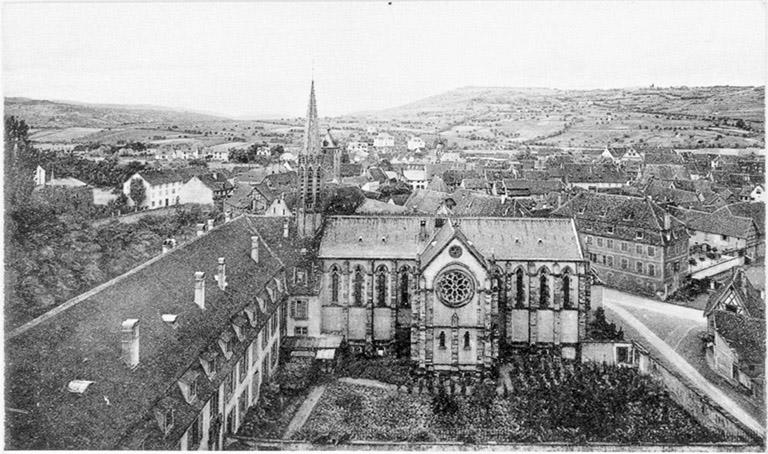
point(255, 248)
point(130, 342)
point(200, 289)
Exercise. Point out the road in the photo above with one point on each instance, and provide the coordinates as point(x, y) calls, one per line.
point(616, 302)
point(302, 414)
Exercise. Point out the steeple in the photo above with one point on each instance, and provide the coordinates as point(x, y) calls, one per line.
point(312, 128)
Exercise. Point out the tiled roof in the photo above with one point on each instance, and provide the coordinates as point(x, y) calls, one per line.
point(469, 203)
point(533, 187)
point(425, 201)
point(746, 336)
point(351, 170)
point(216, 182)
point(437, 184)
point(83, 342)
point(666, 172)
point(747, 294)
point(475, 183)
point(241, 196)
point(371, 206)
point(281, 179)
point(720, 222)
point(754, 210)
point(170, 176)
point(398, 237)
point(591, 173)
point(593, 212)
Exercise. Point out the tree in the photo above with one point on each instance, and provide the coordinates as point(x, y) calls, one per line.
point(276, 150)
point(343, 200)
point(138, 192)
point(601, 329)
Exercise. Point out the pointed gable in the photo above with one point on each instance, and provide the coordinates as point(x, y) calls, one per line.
point(442, 238)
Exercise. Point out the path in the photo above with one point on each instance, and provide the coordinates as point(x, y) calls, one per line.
point(625, 299)
point(367, 382)
point(684, 368)
point(302, 414)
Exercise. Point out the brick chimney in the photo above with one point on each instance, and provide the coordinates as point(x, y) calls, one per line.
point(209, 224)
point(200, 289)
point(667, 221)
point(200, 229)
point(221, 276)
point(255, 248)
point(285, 228)
point(129, 338)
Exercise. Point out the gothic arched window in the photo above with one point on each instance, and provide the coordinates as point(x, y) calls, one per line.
point(441, 339)
point(566, 290)
point(520, 287)
point(335, 285)
point(501, 289)
point(466, 340)
point(381, 286)
point(358, 287)
point(404, 290)
point(543, 289)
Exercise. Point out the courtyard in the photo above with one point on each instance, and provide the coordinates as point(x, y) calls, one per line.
point(534, 400)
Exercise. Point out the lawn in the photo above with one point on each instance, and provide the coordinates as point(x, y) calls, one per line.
point(552, 402)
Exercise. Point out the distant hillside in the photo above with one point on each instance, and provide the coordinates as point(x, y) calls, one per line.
point(65, 114)
point(734, 102)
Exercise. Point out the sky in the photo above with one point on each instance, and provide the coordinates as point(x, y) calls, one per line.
point(252, 59)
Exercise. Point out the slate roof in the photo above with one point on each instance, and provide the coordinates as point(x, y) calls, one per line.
point(746, 293)
point(590, 173)
point(746, 336)
point(351, 170)
point(465, 203)
point(593, 212)
point(281, 179)
point(437, 184)
point(216, 182)
point(83, 342)
point(475, 183)
point(533, 187)
point(241, 196)
point(399, 237)
point(157, 177)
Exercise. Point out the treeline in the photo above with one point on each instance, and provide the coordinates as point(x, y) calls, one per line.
point(52, 252)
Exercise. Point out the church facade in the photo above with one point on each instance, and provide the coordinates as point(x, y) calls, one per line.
point(456, 287)
point(453, 289)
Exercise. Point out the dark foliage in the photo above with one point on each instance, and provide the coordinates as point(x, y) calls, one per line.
point(601, 329)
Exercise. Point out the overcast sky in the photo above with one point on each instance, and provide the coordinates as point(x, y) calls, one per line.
point(242, 59)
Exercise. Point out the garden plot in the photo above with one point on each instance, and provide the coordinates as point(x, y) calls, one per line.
point(549, 402)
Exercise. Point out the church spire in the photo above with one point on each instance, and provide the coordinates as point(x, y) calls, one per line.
point(312, 129)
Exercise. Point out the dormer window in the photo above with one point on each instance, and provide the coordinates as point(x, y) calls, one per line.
point(250, 314)
point(188, 385)
point(171, 320)
point(238, 326)
point(603, 212)
point(78, 386)
point(278, 284)
point(629, 216)
point(639, 235)
point(260, 301)
point(208, 362)
point(165, 419)
point(609, 229)
point(581, 210)
point(225, 343)
point(271, 293)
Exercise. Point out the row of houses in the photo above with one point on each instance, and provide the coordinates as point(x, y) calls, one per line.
point(178, 187)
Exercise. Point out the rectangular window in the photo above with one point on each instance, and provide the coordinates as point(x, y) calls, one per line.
point(592, 257)
point(651, 269)
point(275, 355)
point(274, 324)
point(651, 251)
point(602, 259)
point(725, 237)
point(622, 355)
point(300, 331)
point(639, 235)
point(228, 385)
point(242, 405)
point(639, 267)
point(301, 310)
point(600, 242)
point(624, 264)
point(265, 366)
point(610, 260)
point(215, 404)
point(676, 266)
point(609, 243)
point(589, 239)
point(243, 367)
point(623, 246)
point(639, 248)
point(195, 430)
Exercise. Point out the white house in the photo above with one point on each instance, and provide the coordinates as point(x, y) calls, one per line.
point(383, 140)
point(161, 189)
point(278, 207)
point(415, 143)
point(39, 176)
point(417, 178)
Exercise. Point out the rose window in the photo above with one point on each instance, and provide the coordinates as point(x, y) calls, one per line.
point(454, 288)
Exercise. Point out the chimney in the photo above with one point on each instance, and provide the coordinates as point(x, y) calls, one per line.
point(200, 289)
point(129, 337)
point(221, 277)
point(255, 248)
point(209, 225)
point(285, 228)
point(503, 199)
point(667, 221)
point(200, 229)
point(166, 248)
point(227, 216)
